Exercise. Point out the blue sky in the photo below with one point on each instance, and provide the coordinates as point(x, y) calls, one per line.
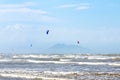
point(95, 23)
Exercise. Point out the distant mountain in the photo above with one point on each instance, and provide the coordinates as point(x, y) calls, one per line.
point(63, 48)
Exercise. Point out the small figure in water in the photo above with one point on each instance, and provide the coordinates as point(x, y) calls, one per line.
point(78, 42)
point(47, 31)
point(31, 45)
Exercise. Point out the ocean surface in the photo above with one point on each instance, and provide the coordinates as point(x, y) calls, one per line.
point(60, 67)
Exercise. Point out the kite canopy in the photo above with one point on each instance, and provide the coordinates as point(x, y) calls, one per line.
point(47, 31)
point(30, 45)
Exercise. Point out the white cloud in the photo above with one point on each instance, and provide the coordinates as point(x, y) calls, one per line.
point(81, 6)
point(67, 6)
point(26, 4)
point(14, 27)
point(21, 10)
point(23, 13)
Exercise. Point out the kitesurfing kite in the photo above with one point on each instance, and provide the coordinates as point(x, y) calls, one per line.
point(78, 42)
point(47, 31)
point(31, 45)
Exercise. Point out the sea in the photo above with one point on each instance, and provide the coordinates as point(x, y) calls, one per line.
point(59, 66)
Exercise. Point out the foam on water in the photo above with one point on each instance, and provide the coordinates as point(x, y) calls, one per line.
point(79, 63)
point(35, 56)
point(70, 56)
point(66, 60)
point(63, 59)
point(55, 75)
point(63, 66)
point(5, 60)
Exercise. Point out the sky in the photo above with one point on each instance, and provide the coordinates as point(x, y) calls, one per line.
point(95, 23)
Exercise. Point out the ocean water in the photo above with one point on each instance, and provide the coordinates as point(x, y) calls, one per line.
point(60, 67)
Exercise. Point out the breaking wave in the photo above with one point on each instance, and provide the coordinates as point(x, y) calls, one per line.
point(63, 59)
point(55, 75)
point(60, 66)
point(99, 57)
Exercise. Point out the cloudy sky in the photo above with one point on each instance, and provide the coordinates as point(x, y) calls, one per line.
point(95, 23)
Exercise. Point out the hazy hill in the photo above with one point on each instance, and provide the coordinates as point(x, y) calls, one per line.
point(63, 48)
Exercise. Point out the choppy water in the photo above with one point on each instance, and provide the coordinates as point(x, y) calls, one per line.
point(60, 66)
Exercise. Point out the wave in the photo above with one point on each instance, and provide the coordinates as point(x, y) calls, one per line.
point(55, 75)
point(36, 56)
point(89, 57)
point(66, 60)
point(81, 73)
point(27, 76)
point(22, 73)
point(5, 60)
point(30, 56)
point(86, 75)
point(78, 63)
point(63, 59)
point(66, 67)
point(59, 61)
